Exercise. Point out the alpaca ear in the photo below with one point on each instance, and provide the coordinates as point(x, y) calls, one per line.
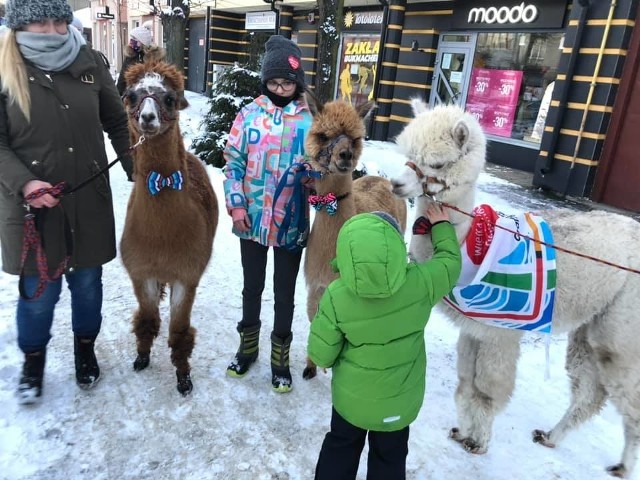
point(365, 109)
point(460, 133)
point(182, 102)
point(418, 106)
point(315, 105)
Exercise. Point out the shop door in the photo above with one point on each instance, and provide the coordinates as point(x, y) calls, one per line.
point(452, 69)
point(196, 65)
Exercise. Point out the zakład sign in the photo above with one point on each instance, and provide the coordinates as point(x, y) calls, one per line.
point(360, 50)
point(508, 14)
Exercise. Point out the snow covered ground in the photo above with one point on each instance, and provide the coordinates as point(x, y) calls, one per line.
point(137, 426)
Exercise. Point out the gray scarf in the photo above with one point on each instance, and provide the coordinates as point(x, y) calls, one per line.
point(50, 52)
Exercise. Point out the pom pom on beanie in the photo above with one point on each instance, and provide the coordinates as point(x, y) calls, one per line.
point(77, 23)
point(142, 34)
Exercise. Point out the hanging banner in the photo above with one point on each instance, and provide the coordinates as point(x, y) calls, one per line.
point(493, 99)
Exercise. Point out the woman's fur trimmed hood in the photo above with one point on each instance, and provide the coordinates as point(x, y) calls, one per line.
point(151, 54)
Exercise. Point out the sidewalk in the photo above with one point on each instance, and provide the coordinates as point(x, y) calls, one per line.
point(523, 192)
point(519, 177)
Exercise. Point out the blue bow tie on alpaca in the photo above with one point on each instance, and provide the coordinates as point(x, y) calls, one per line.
point(156, 182)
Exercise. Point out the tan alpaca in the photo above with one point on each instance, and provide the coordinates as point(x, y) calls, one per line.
point(333, 147)
point(168, 232)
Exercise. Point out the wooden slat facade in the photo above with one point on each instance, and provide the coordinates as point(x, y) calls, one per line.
point(404, 74)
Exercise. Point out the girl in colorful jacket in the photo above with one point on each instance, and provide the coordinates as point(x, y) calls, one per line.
point(370, 329)
point(266, 138)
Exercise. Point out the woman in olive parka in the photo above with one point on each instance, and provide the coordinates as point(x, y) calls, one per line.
point(370, 330)
point(56, 99)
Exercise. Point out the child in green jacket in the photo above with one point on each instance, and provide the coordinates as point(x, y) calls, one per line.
point(370, 329)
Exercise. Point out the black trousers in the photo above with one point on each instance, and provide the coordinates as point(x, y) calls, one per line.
point(285, 272)
point(342, 446)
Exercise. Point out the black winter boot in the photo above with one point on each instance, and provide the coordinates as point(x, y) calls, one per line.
point(30, 387)
point(247, 351)
point(280, 374)
point(87, 369)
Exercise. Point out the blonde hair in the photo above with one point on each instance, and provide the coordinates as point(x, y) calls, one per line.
point(13, 79)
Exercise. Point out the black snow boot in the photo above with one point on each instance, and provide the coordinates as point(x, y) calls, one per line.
point(87, 369)
point(30, 387)
point(247, 351)
point(280, 374)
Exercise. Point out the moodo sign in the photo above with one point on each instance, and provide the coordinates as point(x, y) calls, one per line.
point(508, 14)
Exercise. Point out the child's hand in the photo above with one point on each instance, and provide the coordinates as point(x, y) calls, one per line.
point(241, 220)
point(436, 213)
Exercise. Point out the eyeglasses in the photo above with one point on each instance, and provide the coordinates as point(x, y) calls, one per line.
point(285, 86)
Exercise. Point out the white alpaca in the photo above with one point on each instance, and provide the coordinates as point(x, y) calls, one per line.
point(598, 305)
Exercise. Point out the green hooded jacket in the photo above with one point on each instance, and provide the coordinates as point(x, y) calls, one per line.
point(370, 322)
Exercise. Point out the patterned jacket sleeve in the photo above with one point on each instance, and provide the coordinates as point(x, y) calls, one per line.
point(326, 340)
point(235, 157)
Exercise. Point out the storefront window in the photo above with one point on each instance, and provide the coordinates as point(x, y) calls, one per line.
point(511, 82)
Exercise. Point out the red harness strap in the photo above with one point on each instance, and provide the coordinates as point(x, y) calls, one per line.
point(32, 241)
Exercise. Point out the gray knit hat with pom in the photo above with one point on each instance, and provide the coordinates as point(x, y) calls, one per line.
point(19, 13)
point(283, 59)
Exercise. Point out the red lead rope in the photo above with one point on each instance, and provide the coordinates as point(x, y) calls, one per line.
point(421, 175)
point(32, 241)
point(570, 252)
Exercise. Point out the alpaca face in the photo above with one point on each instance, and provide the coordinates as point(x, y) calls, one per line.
point(334, 142)
point(152, 102)
point(445, 149)
point(150, 105)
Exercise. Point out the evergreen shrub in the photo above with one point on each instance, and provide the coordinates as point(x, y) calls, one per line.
point(234, 88)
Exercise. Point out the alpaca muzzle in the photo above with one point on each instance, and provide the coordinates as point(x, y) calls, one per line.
point(344, 155)
point(430, 185)
point(149, 115)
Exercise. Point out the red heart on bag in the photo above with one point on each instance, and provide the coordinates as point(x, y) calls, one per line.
point(294, 62)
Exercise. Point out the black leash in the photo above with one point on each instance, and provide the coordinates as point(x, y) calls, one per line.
point(68, 190)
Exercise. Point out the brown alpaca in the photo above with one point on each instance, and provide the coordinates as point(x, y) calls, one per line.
point(333, 147)
point(171, 221)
